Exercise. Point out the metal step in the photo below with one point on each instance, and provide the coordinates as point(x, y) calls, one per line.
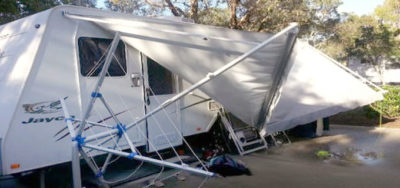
point(251, 143)
point(244, 137)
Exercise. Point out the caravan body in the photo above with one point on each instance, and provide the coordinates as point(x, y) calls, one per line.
point(47, 56)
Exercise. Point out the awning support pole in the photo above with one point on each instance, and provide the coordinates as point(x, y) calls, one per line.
point(265, 112)
point(203, 81)
point(76, 166)
point(151, 160)
point(99, 83)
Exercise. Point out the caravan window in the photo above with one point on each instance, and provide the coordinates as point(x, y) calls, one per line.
point(161, 80)
point(92, 54)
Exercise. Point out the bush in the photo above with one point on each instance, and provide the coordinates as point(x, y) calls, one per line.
point(390, 106)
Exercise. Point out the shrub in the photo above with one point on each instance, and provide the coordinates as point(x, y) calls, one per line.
point(390, 105)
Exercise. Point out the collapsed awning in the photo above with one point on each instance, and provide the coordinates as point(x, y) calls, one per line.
point(315, 86)
point(318, 87)
point(192, 51)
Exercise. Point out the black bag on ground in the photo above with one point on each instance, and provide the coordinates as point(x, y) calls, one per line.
point(226, 166)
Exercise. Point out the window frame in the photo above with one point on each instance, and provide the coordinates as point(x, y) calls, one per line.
point(174, 83)
point(124, 51)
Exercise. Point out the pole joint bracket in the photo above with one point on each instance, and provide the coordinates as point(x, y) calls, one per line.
point(131, 155)
point(96, 95)
point(121, 129)
point(99, 174)
point(80, 140)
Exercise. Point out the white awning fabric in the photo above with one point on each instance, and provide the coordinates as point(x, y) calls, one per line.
point(192, 51)
point(316, 87)
point(309, 84)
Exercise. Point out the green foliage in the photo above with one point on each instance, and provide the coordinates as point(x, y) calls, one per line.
point(324, 18)
point(389, 12)
point(365, 38)
point(8, 11)
point(273, 15)
point(323, 154)
point(11, 9)
point(9, 6)
point(390, 106)
point(214, 16)
point(370, 112)
point(373, 44)
point(130, 7)
point(33, 6)
point(333, 49)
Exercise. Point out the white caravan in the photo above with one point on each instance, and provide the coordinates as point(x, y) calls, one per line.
point(46, 56)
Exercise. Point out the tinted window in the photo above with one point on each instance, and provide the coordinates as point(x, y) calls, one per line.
point(161, 80)
point(92, 54)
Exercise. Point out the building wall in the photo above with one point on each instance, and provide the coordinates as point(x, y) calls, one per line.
point(390, 75)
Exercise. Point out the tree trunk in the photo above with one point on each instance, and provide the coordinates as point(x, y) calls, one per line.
point(233, 19)
point(194, 7)
point(380, 69)
point(173, 9)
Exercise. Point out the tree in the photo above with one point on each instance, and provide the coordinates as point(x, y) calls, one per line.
point(11, 10)
point(251, 15)
point(8, 11)
point(375, 45)
point(128, 6)
point(343, 36)
point(325, 17)
point(363, 38)
point(389, 12)
point(272, 15)
point(372, 39)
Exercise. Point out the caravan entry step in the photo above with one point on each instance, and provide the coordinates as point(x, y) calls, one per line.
point(246, 138)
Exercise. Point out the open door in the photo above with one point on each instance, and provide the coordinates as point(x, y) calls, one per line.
point(164, 127)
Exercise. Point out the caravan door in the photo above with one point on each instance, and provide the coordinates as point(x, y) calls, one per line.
point(122, 88)
point(163, 128)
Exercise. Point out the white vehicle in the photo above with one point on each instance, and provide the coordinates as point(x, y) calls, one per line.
point(59, 53)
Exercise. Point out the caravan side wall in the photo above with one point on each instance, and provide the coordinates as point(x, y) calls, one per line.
point(19, 42)
point(37, 136)
point(31, 140)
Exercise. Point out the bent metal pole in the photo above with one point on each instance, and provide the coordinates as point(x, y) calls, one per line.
point(138, 157)
point(203, 81)
point(76, 168)
point(100, 80)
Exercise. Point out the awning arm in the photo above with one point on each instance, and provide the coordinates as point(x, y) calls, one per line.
point(98, 19)
point(100, 81)
point(271, 98)
point(203, 81)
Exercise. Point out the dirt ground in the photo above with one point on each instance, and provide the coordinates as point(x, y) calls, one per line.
point(354, 118)
point(358, 157)
point(393, 124)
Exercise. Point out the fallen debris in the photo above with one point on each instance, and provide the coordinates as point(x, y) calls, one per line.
point(224, 165)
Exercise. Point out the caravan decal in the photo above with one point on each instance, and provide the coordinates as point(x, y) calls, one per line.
point(43, 120)
point(46, 107)
point(66, 133)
